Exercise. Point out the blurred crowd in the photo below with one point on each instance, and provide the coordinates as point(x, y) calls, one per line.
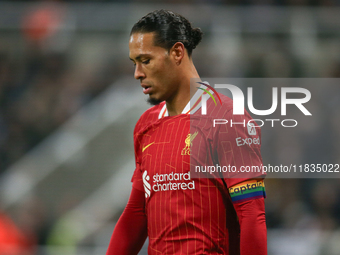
point(224, 2)
point(40, 89)
point(37, 94)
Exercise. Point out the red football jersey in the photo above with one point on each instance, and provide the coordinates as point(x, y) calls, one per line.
point(188, 215)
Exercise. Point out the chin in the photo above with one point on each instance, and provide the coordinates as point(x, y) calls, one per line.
point(154, 101)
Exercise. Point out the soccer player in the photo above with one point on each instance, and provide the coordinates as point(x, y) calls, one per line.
point(179, 213)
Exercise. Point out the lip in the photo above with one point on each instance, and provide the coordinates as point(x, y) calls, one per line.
point(146, 88)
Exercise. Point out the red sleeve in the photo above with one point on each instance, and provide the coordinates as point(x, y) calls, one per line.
point(130, 231)
point(253, 230)
point(137, 179)
point(239, 148)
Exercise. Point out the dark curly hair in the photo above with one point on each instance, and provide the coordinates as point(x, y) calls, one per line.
point(169, 28)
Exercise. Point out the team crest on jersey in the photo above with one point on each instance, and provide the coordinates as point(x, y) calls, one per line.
point(188, 143)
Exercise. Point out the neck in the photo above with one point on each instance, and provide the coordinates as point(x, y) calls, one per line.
point(186, 90)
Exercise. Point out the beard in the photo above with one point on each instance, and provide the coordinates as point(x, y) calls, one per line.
point(154, 101)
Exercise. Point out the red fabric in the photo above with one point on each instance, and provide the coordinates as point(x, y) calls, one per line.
point(185, 215)
point(130, 231)
point(253, 234)
point(188, 215)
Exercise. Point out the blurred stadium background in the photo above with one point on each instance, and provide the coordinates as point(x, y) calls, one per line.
point(68, 105)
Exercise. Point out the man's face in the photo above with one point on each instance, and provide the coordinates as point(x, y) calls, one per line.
point(154, 67)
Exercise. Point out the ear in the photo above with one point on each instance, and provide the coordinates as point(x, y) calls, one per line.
point(177, 52)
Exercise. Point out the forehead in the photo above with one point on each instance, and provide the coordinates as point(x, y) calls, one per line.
point(143, 43)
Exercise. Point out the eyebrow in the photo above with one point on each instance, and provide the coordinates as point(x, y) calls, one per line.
point(140, 56)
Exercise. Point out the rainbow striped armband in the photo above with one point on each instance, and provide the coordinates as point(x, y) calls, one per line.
point(247, 190)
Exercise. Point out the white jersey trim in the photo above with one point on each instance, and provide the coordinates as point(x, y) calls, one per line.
point(187, 109)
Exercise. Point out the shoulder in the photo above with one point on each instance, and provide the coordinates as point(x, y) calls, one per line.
point(219, 106)
point(150, 116)
point(225, 108)
point(227, 102)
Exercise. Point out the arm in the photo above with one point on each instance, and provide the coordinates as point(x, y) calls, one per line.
point(130, 231)
point(253, 230)
point(240, 146)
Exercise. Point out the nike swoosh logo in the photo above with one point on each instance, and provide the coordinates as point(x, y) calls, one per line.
point(147, 146)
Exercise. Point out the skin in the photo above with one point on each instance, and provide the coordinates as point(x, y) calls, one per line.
point(166, 72)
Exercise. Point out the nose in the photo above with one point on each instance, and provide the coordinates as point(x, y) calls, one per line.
point(139, 74)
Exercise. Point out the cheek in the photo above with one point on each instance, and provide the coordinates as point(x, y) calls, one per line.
point(167, 70)
point(162, 72)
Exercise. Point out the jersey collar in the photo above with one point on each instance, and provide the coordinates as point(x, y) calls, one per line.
point(193, 105)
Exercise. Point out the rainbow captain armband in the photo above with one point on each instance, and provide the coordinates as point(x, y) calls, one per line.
point(247, 190)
